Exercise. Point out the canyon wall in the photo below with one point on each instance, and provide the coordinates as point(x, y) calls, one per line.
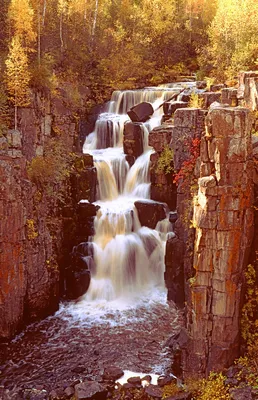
point(205, 261)
point(31, 228)
point(223, 222)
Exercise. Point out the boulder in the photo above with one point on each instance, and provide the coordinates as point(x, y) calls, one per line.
point(201, 84)
point(166, 380)
point(154, 391)
point(141, 112)
point(77, 283)
point(90, 391)
point(241, 393)
point(135, 381)
point(150, 212)
point(133, 139)
point(112, 373)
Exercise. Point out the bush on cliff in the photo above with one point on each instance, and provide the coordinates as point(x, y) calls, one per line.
point(51, 170)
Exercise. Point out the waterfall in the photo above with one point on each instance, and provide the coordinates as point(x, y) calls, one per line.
point(128, 257)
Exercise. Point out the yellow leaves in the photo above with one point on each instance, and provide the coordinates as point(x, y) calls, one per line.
point(17, 73)
point(21, 17)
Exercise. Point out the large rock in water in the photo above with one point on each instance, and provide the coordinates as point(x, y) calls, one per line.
point(141, 112)
point(90, 391)
point(150, 212)
point(133, 139)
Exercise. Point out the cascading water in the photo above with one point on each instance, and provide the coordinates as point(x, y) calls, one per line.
point(124, 318)
point(128, 258)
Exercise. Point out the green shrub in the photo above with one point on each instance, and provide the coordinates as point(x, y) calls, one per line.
point(165, 161)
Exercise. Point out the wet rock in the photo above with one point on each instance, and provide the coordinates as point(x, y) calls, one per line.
point(112, 373)
point(128, 385)
point(150, 212)
point(217, 87)
point(85, 220)
point(146, 378)
point(130, 159)
point(154, 391)
point(165, 380)
point(244, 393)
point(78, 370)
point(170, 107)
point(78, 283)
point(83, 184)
point(201, 84)
point(56, 394)
point(90, 391)
point(133, 139)
point(135, 381)
point(173, 216)
point(34, 394)
point(174, 273)
point(141, 112)
point(86, 210)
point(69, 392)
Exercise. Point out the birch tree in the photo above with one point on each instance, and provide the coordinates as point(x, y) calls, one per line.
point(17, 76)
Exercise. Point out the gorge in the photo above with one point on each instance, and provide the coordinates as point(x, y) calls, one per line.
point(124, 319)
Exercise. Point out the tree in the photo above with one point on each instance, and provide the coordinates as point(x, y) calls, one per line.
point(233, 37)
point(21, 20)
point(17, 76)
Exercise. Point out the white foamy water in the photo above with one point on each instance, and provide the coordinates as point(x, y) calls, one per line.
point(128, 258)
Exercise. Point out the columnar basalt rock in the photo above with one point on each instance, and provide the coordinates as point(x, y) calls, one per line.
point(223, 220)
point(188, 126)
point(161, 171)
point(133, 141)
point(31, 231)
point(248, 89)
point(229, 96)
point(209, 98)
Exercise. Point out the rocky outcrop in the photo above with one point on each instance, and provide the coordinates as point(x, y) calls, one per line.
point(189, 125)
point(150, 212)
point(223, 220)
point(209, 98)
point(229, 96)
point(161, 169)
point(133, 141)
point(248, 89)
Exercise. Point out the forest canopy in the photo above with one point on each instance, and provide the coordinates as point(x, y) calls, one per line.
point(105, 44)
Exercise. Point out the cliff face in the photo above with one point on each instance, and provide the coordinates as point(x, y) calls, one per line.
point(206, 260)
point(223, 219)
point(30, 232)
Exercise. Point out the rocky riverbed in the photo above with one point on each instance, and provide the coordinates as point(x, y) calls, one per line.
point(82, 339)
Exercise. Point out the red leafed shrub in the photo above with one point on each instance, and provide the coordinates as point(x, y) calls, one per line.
point(188, 166)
